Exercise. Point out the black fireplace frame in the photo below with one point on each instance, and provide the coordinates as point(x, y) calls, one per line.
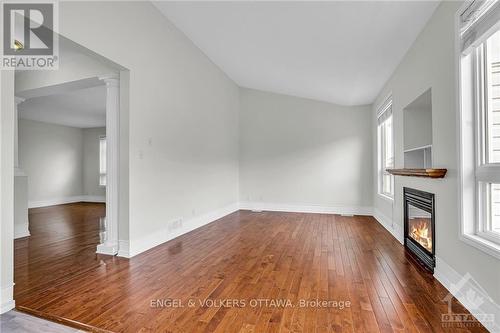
point(426, 202)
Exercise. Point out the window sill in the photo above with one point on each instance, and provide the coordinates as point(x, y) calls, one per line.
point(386, 197)
point(482, 244)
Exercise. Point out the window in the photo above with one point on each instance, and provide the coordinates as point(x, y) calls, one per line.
point(487, 82)
point(102, 161)
point(385, 150)
point(479, 33)
point(492, 60)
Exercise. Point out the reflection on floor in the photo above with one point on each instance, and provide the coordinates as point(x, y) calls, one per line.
point(243, 264)
point(62, 245)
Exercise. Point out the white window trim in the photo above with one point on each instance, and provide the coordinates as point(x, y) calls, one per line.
point(386, 197)
point(468, 195)
point(387, 102)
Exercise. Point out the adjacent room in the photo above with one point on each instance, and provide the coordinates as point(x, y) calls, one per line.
point(62, 169)
point(249, 166)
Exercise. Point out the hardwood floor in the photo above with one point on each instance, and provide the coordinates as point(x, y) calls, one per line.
point(62, 244)
point(249, 260)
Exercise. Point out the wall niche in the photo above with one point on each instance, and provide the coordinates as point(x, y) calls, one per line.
point(418, 132)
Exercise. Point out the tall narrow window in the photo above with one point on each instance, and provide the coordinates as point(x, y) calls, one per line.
point(492, 59)
point(385, 150)
point(480, 117)
point(102, 161)
point(487, 81)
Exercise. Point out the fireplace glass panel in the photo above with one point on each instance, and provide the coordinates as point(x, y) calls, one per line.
point(420, 227)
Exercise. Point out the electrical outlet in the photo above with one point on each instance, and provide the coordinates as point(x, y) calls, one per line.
point(175, 224)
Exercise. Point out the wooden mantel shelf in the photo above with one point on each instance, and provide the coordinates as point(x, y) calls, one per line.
point(429, 173)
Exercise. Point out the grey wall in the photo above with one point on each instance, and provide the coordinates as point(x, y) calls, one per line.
point(296, 151)
point(52, 158)
point(430, 63)
point(61, 162)
point(183, 133)
point(417, 128)
point(91, 185)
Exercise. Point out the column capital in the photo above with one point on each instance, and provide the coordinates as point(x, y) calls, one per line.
point(111, 79)
point(19, 100)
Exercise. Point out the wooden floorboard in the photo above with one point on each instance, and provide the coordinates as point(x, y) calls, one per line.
point(247, 272)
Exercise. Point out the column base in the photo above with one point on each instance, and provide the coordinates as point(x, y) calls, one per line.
point(107, 248)
point(124, 250)
point(7, 302)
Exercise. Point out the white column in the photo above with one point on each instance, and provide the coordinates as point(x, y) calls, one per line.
point(21, 222)
point(18, 101)
point(110, 245)
point(6, 189)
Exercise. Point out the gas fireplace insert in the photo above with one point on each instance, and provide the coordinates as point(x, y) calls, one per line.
point(419, 227)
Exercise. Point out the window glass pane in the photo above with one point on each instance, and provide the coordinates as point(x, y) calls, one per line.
point(102, 180)
point(386, 156)
point(494, 224)
point(387, 188)
point(492, 90)
point(389, 158)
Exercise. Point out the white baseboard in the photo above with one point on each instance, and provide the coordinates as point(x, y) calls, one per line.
point(93, 198)
point(395, 229)
point(123, 249)
point(461, 287)
point(66, 200)
point(53, 202)
point(7, 299)
point(297, 208)
point(166, 234)
point(21, 230)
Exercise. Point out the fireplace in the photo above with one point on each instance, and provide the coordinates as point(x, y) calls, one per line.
point(419, 228)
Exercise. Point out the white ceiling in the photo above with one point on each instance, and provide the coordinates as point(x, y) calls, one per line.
point(82, 108)
point(340, 52)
